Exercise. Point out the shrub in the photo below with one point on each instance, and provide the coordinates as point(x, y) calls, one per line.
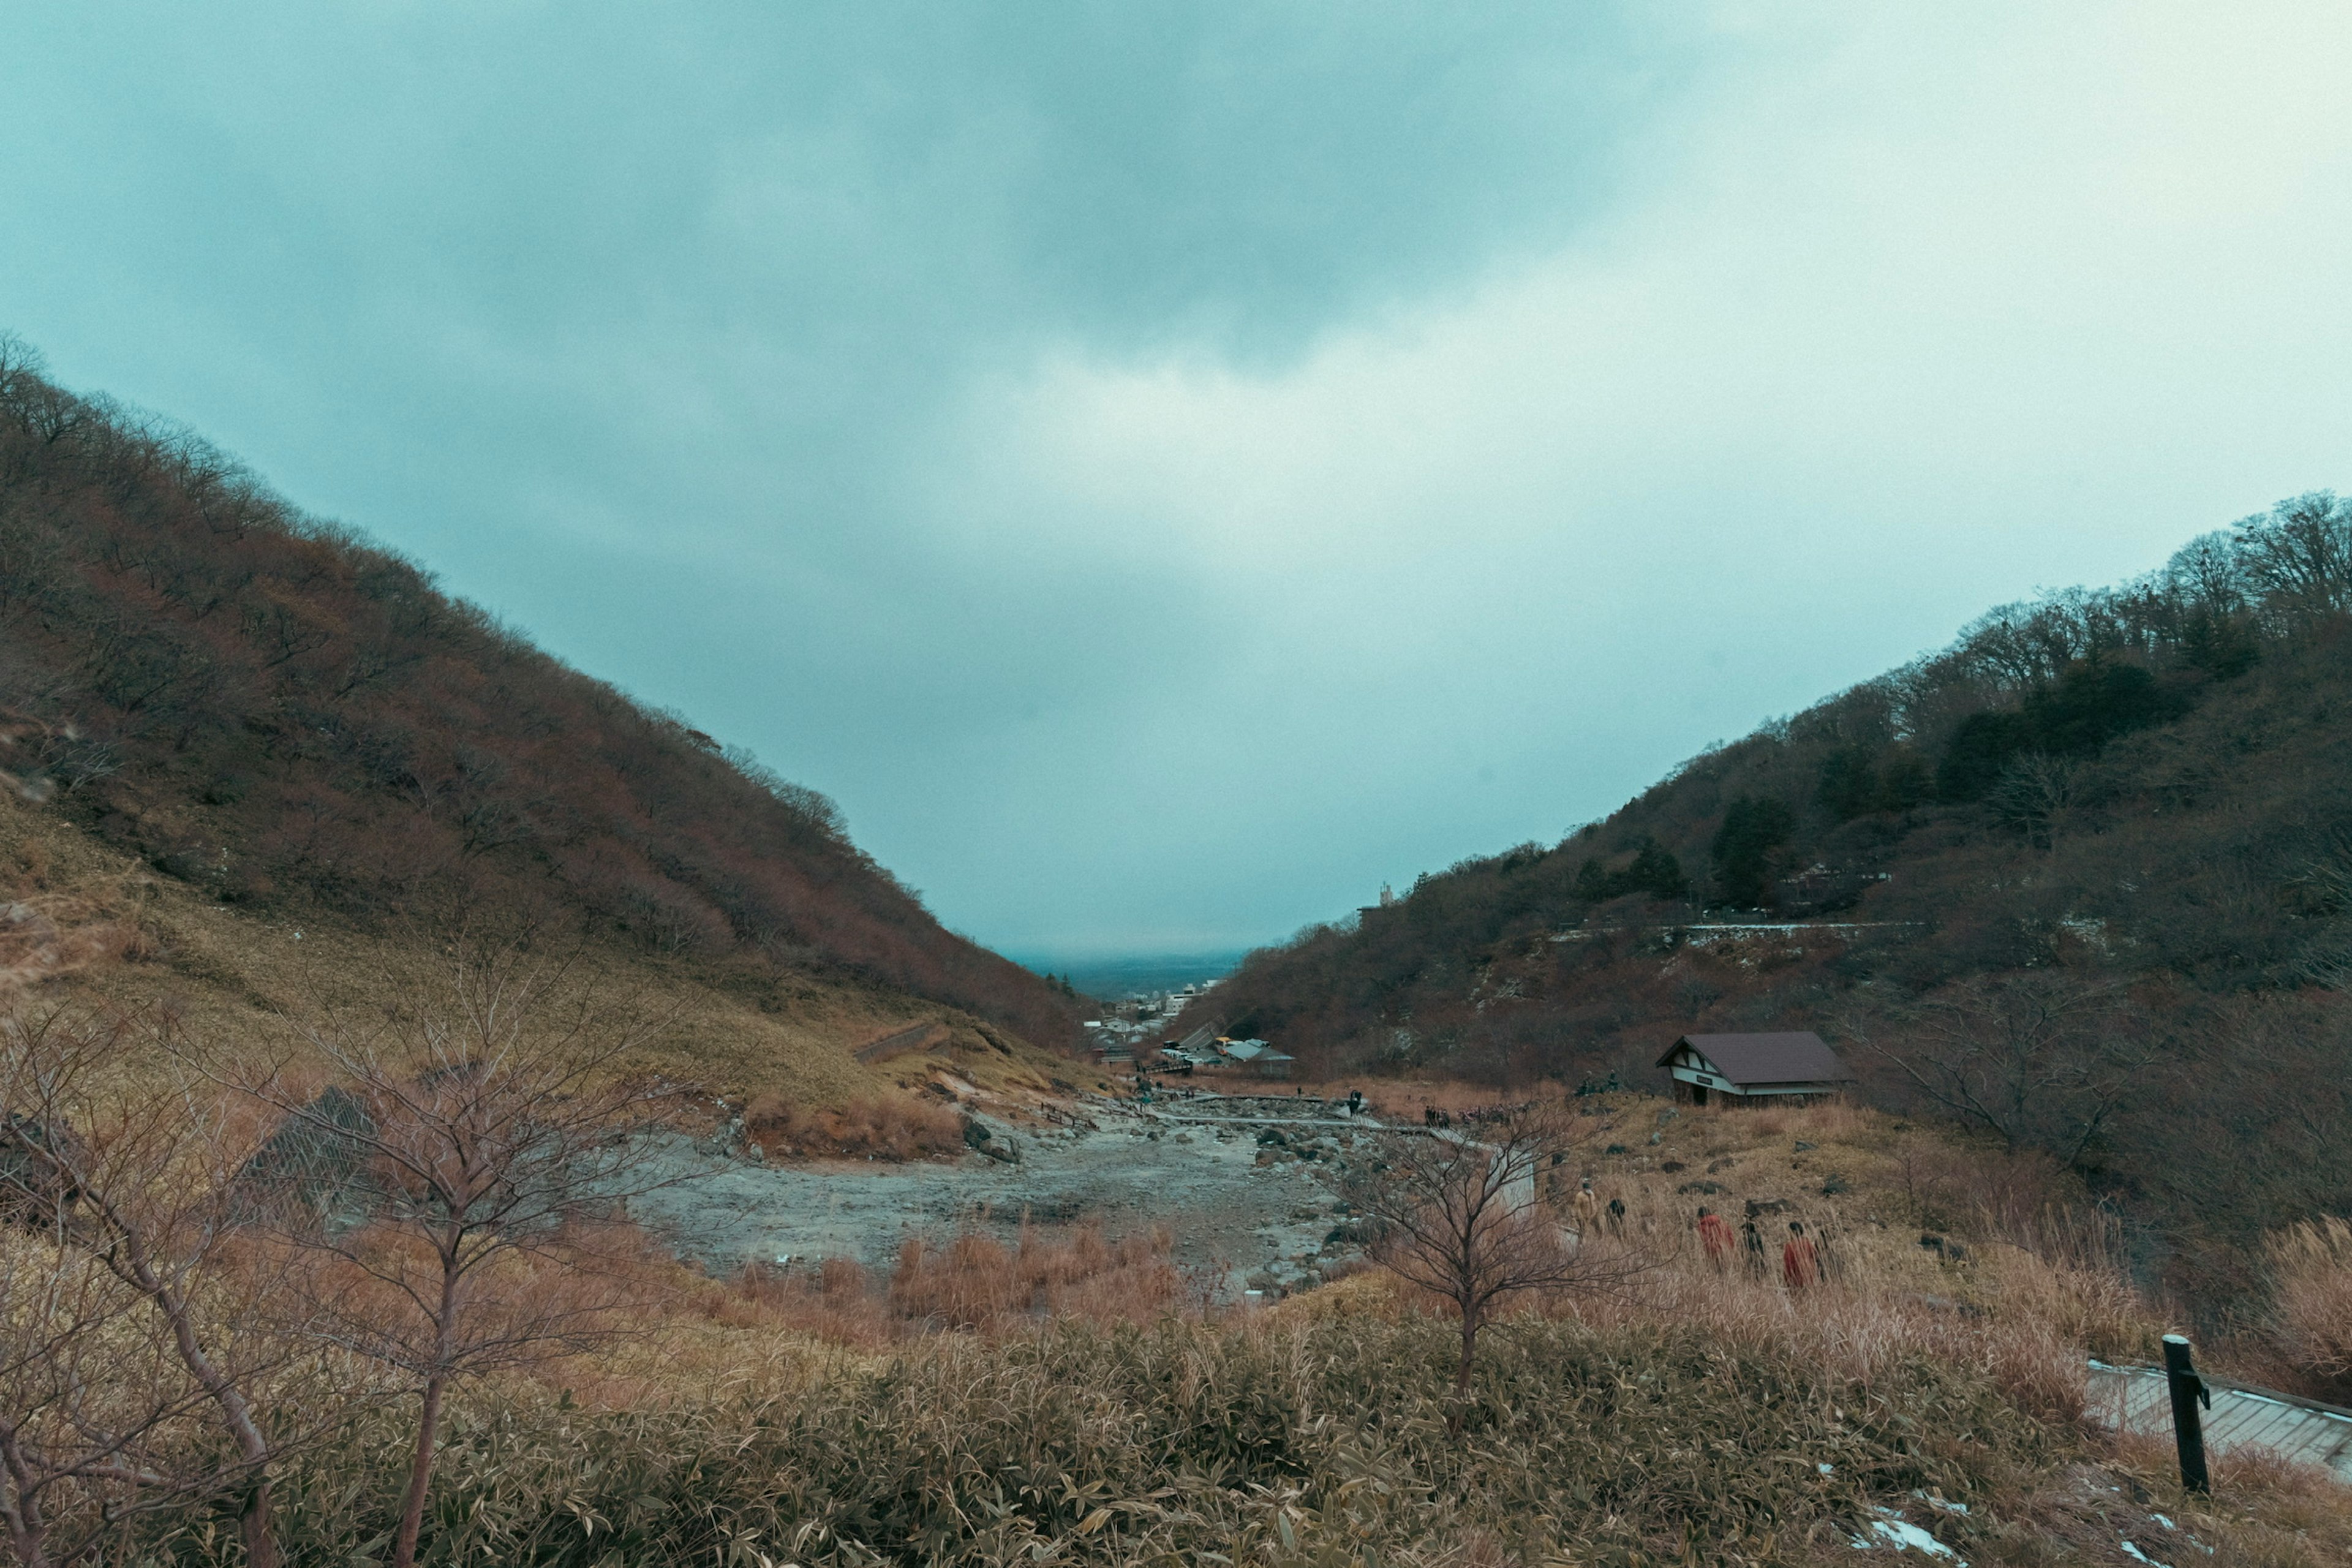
point(886, 1128)
point(2311, 1280)
point(976, 1283)
point(1187, 1442)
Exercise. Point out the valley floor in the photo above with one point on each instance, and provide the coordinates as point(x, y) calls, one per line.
point(1242, 1214)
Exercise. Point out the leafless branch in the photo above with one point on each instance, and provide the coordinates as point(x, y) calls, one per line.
point(453, 1188)
point(1461, 1216)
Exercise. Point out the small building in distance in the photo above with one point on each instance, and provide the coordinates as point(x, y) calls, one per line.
point(1745, 1067)
point(1257, 1057)
point(1200, 1051)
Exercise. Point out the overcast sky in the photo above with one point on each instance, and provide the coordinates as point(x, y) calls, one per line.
point(1167, 468)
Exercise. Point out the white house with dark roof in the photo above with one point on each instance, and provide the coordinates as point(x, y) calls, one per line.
point(1753, 1067)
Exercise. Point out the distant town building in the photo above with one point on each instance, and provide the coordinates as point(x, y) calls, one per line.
point(1753, 1067)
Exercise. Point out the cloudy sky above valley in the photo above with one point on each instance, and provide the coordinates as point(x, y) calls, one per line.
point(1166, 469)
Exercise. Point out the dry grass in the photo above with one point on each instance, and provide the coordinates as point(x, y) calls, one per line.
point(231, 976)
point(895, 1127)
point(976, 1282)
point(1064, 1398)
point(2020, 1301)
point(971, 1284)
point(1686, 1416)
point(2311, 1281)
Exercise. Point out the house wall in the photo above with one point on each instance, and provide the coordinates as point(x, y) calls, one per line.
point(1689, 1081)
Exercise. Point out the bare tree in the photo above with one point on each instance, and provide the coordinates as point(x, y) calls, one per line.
point(2039, 1059)
point(2039, 793)
point(1459, 1214)
point(2299, 553)
point(450, 1189)
point(118, 1378)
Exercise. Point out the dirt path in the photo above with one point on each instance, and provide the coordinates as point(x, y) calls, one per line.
point(1243, 1188)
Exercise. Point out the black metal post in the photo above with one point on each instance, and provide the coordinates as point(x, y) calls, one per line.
point(2188, 1427)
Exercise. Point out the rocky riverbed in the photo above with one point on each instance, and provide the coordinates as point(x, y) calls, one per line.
point(1247, 1188)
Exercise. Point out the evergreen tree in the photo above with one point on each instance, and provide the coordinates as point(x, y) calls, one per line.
point(1753, 827)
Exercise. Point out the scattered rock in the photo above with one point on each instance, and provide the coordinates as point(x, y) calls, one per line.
point(1707, 1189)
point(1758, 1206)
point(1717, 1166)
point(1672, 1165)
point(317, 1157)
point(1802, 1146)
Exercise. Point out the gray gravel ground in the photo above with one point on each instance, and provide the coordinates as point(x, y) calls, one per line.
point(1193, 1166)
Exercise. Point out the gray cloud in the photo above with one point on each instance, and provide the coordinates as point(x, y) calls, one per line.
point(1166, 468)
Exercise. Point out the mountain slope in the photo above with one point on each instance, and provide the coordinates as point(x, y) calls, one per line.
point(286, 717)
point(2082, 880)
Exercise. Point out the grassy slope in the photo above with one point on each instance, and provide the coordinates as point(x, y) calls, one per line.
point(738, 1030)
point(1705, 1418)
point(1695, 1415)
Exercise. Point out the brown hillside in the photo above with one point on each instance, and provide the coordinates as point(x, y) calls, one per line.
point(2083, 880)
point(107, 926)
point(293, 722)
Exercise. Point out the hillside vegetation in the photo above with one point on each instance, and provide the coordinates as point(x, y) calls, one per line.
point(2082, 880)
point(104, 928)
point(1071, 1397)
point(1071, 1402)
point(292, 721)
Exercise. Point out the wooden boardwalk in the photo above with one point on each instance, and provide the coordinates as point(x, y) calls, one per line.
point(2134, 1399)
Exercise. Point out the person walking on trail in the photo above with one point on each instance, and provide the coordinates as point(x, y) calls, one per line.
point(1752, 1249)
point(1715, 1235)
point(1800, 1264)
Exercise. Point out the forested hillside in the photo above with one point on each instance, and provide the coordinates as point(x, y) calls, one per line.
point(288, 716)
point(2082, 879)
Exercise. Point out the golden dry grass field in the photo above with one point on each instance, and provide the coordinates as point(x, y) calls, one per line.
point(1070, 1395)
point(236, 977)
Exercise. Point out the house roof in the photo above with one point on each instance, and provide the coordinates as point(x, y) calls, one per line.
point(1797, 1057)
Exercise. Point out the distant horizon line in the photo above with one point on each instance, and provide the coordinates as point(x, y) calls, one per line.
point(1030, 957)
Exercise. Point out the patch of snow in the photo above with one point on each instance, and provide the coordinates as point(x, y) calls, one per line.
point(2136, 1555)
point(1893, 1529)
